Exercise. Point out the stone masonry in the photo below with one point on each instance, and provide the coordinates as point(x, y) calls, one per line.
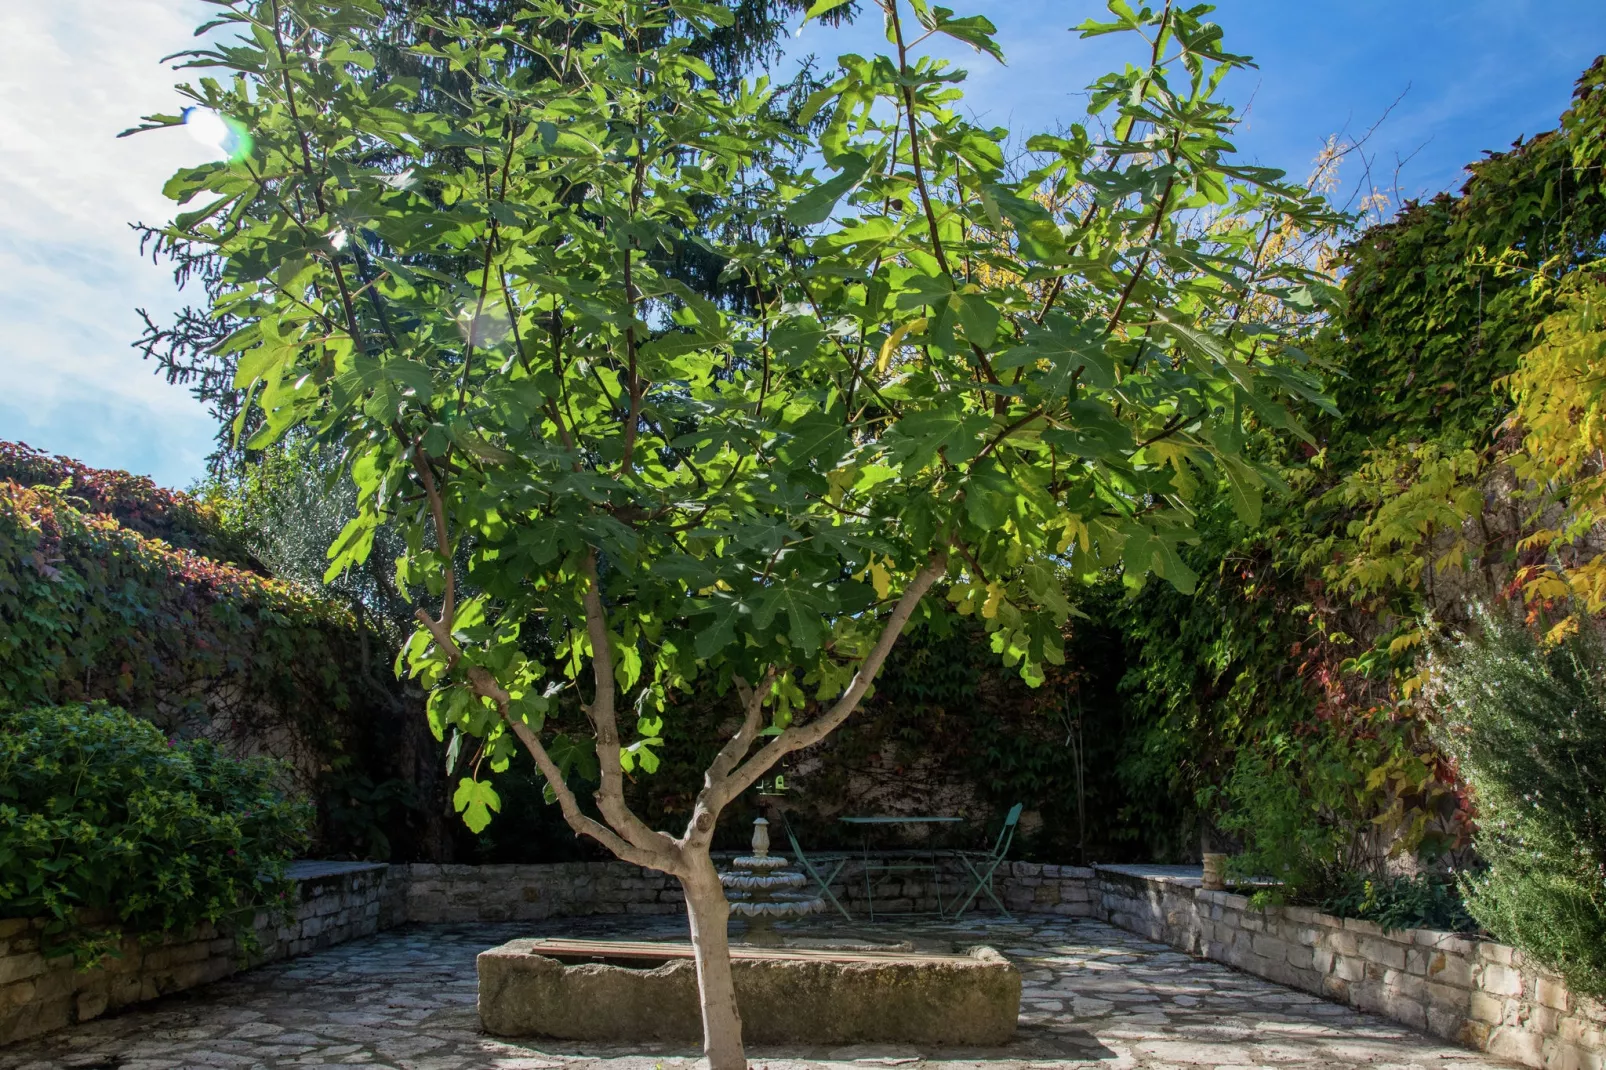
point(1475, 992)
point(335, 902)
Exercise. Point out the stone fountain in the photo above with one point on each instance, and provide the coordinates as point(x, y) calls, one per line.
point(763, 890)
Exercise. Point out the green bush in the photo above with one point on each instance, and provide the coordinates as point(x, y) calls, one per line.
point(1527, 725)
point(1426, 901)
point(100, 812)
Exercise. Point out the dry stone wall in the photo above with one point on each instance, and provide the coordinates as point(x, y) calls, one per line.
point(1475, 992)
point(335, 902)
point(426, 893)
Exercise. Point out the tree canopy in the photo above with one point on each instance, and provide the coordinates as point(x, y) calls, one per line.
point(945, 360)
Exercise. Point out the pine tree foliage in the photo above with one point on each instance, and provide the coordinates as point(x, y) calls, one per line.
point(1527, 725)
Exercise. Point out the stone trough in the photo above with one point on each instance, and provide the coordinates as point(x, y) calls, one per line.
point(614, 990)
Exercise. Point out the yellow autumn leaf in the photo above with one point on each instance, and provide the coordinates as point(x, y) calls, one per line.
point(1405, 642)
point(881, 578)
point(891, 344)
point(1075, 529)
point(995, 597)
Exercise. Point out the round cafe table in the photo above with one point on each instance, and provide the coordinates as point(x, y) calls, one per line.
point(885, 868)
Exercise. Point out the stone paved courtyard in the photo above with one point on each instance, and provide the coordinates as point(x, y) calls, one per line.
point(404, 999)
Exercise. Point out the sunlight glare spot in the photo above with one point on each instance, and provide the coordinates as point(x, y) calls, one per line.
point(487, 330)
point(219, 133)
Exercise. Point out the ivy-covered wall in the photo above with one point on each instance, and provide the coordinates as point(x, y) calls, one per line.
point(93, 607)
point(1283, 701)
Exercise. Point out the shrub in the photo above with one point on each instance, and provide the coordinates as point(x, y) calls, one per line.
point(1527, 725)
point(100, 812)
point(1425, 901)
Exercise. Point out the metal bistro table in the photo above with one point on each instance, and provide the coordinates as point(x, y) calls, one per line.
point(887, 868)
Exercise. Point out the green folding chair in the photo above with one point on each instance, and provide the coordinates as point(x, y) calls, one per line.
point(822, 868)
point(983, 864)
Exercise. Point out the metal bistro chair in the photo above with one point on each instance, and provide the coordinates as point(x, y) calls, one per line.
point(822, 868)
point(982, 865)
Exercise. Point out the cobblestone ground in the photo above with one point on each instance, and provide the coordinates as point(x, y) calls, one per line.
point(405, 1000)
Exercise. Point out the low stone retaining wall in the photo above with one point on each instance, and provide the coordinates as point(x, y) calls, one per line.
point(335, 902)
point(1475, 992)
point(426, 893)
point(437, 893)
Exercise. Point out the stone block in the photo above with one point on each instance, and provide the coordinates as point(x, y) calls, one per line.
point(1449, 998)
point(1383, 952)
point(1349, 968)
point(34, 1019)
point(1270, 947)
point(1473, 1035)
point(1500, 980)
point(1302, 958)
point(1518, 1045)
point(16, 994)
point(90, 1002)
point(10, 927)
point(21, 967)
point(1445, 1023)
point(1489, 951)
point(813, 997)
point(1482, 1007)
point(1447, 968)
point(1563, 1056)
point(1406, 1011)
point(57, 984)
point(1552, 992)
point(1399, 985)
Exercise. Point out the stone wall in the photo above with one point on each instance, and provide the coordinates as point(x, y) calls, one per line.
point(445, 893)
point(427, 893)
point(1475, 992)
point(335, 902)
point(1479, 993)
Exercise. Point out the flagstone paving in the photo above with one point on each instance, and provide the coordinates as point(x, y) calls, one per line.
point(1094, 996)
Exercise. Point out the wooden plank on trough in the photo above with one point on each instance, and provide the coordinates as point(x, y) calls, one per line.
point(641, 949)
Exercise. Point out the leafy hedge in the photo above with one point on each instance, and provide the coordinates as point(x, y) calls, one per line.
point(90, 609)
point(100, 812)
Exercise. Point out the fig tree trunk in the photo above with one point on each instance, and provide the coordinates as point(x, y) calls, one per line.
point(709, 915)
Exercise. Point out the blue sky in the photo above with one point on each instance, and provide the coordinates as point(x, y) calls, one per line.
point(1475, 74)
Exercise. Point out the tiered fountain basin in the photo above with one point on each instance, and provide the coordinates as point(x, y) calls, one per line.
point(616, 990)
point(762, 889)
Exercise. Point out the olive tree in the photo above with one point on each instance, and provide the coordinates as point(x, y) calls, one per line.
point(954, 379)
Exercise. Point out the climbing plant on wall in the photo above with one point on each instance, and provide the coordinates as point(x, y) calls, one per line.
point(90, 609)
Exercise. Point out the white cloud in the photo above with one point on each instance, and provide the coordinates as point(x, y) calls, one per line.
point(77, 73)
